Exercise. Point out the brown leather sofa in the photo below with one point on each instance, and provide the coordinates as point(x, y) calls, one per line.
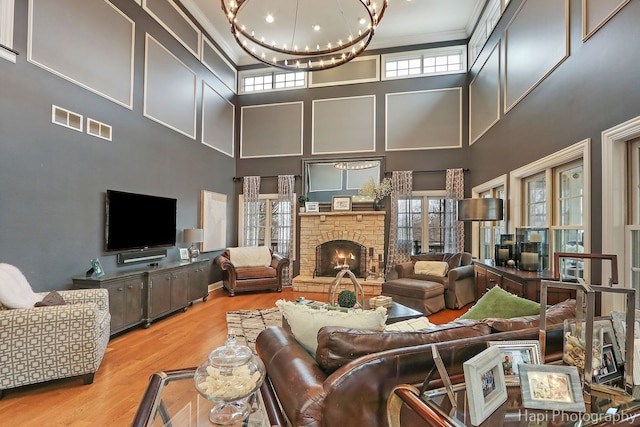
point(354, 371)
point(251, 278)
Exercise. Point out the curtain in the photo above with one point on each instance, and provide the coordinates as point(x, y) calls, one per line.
point(251, 196)
point(454, 229)
point(286, 206)
point(401, 224)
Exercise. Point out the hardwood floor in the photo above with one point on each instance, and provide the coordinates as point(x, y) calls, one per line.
point(180, 340)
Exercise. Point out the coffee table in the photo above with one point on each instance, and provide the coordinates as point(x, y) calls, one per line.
point(171, 400)
point(398, 312)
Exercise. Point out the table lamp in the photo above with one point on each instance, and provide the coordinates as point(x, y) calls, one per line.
point(193, 235)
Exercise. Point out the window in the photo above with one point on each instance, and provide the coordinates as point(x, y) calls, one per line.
point(424, 63)
point(265, 81)
point(551, 193)
point(424, 223)
point(274, 221)
point(486, 24)
point(6, 30)
point(633, 228)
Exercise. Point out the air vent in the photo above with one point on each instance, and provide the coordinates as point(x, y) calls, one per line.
point(99, 130)
point(66, 118)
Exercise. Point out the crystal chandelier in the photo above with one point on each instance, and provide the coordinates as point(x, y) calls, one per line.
point(303, 35)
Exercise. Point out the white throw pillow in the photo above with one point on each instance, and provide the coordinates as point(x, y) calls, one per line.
point(433, 268)
point(250, 256)
point(305, 322)
point(410, 325)
point(15, 291)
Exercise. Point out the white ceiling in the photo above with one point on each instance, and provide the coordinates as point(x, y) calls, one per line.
point(405, 23)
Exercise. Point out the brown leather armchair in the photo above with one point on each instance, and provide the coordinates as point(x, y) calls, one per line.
point(244, 278)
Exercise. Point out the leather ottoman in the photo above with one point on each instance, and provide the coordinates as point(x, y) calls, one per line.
point(424, 296)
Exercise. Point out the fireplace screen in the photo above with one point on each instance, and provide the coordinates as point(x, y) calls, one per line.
point(333, 256)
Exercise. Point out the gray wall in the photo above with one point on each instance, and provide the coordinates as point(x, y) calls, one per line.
point(53, 179)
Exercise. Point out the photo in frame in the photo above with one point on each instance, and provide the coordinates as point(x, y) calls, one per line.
point(556, 386)
point(341, 203)
point(98, 271)
point(486, 387)
point(516, 353)
point(610, 368)
point(312, 207)
point(184, 253)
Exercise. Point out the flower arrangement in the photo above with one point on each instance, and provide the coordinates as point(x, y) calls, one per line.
point(376, 191)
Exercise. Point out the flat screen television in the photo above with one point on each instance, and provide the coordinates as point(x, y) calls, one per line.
point(139, 221)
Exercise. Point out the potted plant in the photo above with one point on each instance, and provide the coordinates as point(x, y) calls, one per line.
point(377, 192)
point(302, 200)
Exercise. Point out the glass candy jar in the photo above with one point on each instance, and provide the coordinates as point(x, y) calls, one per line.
point(229, 376)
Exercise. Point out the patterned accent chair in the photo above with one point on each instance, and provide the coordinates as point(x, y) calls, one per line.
point(60, 341)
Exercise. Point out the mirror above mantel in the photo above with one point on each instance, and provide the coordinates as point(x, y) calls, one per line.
point(325, 178)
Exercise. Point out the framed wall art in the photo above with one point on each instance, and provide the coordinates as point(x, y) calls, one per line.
point(341, 203)
point(213, 220)
point(312, 206)
point(551, 386)
point(486, 388)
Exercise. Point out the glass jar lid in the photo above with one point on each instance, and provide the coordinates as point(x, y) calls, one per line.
point(231, 354)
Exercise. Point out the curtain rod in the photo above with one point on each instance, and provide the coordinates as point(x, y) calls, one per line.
point(239, 178)
point(431, 171)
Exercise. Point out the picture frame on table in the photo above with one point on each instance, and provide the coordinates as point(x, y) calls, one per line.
point(96, 268)
point(312, 206)
point(486, 387)
point(516, 353)
point(610, 366)
point(341, 203)
point(184, 253)
point(556, 386)
point(604, 334)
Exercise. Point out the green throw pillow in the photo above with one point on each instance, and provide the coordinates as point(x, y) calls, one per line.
point(500, 303)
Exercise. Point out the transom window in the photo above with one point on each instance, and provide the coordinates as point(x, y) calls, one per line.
point(427, 62)
point(270, 81)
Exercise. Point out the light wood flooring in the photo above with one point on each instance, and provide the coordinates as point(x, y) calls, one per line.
point(183, 339)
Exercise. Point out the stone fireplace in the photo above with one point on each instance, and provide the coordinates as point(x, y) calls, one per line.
point(330, 240)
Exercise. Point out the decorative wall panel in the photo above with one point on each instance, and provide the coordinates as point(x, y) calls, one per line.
point(87, 43)
point(424, 120)
point(271, 130)
point(359, 70)
point(536, 42)
point(484, 96)
point(215, 62)
point(174, 20)
point(344, 125)
point(217, 120)
point(596, 13)
point(169, 89)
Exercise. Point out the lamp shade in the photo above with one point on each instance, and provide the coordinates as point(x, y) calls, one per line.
point(193, 235)
point(480, 209)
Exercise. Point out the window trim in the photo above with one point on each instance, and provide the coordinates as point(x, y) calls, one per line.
point(7, 14)
point(264, 72)
point(426, 194)
point(580, 150)
point(421, 54)
point(270, 196)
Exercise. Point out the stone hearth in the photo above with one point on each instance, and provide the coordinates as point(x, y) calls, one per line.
point(363, 227)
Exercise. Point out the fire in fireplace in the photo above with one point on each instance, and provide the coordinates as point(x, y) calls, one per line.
point(334, 255)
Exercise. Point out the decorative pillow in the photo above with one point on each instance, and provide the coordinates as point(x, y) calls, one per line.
point(554, 315)
point(410, 325)
point(52, 298)
point(306, 321)
point(15, 291)
point(433, 268)
point(250, 256)
point(454, 260)
point(500, 303)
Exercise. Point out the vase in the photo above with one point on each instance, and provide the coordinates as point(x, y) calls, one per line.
point(377, 205)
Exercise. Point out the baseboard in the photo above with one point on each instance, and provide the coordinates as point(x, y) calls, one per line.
point(214, 286)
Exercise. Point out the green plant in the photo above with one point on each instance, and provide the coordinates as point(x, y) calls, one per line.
point(347, 299)
point(302, 199)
